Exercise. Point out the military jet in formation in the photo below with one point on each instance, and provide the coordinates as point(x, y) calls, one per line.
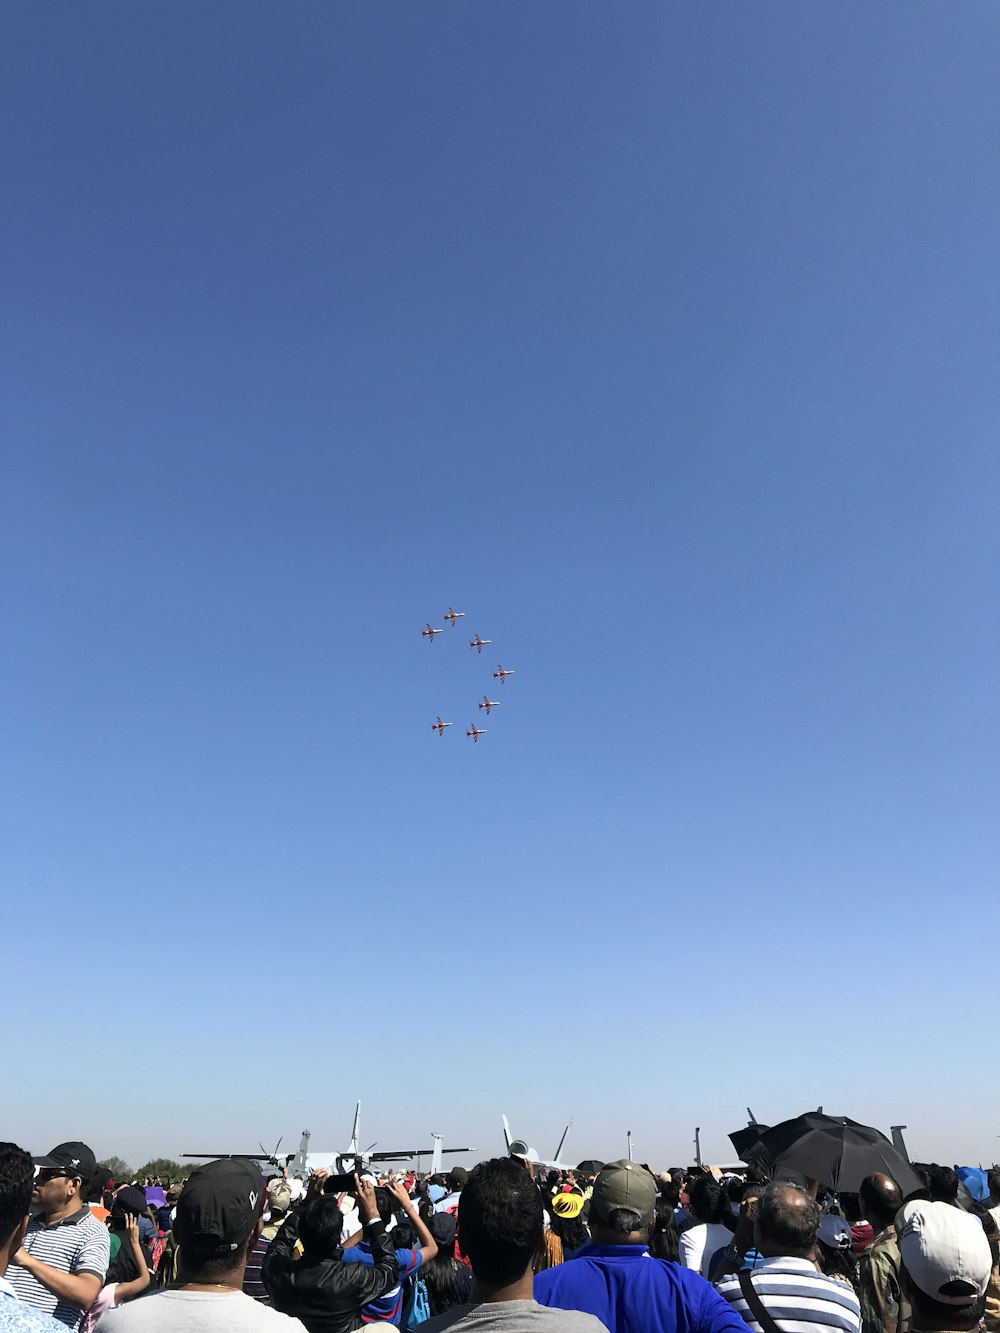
point(452, 617)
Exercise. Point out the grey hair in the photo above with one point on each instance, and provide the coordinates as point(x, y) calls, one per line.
point(789, 1218)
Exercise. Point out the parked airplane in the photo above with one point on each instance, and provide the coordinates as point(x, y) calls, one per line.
point(478, 643)
point(453, 616)
point(475, 732)
point(353, 1158)
point(489, 703)
point(519, 1148)
point(429, 633)
point(271, 1158)
point(439, 726)
point(501, 674)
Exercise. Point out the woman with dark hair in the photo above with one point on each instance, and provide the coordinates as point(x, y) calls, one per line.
point(663, 1237)
point(709, 1207)
point(566, 1224)
point(448, 1281)
point(833, 1250)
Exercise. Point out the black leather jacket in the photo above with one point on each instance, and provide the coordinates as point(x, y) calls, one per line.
point(327, 1295)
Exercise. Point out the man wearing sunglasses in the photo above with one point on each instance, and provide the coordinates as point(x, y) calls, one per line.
point(62, 1262)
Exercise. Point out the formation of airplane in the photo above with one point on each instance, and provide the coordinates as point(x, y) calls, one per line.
point(452, 617)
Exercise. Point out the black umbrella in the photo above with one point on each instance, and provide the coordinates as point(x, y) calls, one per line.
point(838, 1152)
point(779, 1138)
point(590, 1167)
point(748, 1146)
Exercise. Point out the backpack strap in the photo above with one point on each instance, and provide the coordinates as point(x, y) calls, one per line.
point(755, 1303)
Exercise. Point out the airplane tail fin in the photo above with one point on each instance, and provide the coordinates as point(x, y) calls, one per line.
point(506, 1132)
point(898, 1142)
point(563, 1139)
point(357, 1128)
point(437, 1164)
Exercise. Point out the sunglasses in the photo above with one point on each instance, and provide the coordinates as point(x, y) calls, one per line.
point(50, 1174)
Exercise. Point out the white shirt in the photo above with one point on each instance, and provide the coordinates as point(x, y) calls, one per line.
point(697, 1246)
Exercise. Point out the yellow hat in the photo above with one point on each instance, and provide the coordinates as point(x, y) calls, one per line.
point(567, 1205)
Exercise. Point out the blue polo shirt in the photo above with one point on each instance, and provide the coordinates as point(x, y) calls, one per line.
point(628, 1290)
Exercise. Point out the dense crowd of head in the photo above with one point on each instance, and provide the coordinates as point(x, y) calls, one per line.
point(411, 1248)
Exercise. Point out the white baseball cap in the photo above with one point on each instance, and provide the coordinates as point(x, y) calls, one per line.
point(945, 1252)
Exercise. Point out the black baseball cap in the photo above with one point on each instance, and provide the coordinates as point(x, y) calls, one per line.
point(76, 1159)
point(219, 1207)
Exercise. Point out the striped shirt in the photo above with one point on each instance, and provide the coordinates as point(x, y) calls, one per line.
point(799, 1299)
point(78, 1244)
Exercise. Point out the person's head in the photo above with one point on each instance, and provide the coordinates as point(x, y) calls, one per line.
point(456, 1179)
point(279, 1197)
point(442, 1227)
point(708, 1200)
point(943, 1184)
point(670, 1193)
point(385, 1202)
point(62, 1178)
point(17, 1172)
point(945, 1264)
point(499, 1222)
point(787, 1221)
point(218, 1219)
point(664, 1243)
point(622, 1204)
point(881, 1199)
point(321, 1226)
point(130, 1201)
point(993, 1180)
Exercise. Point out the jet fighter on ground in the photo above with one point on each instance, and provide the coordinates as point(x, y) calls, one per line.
point(502, 673)
point(478, 643)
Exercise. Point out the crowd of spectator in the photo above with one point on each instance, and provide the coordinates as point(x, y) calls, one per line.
point(509, 1245)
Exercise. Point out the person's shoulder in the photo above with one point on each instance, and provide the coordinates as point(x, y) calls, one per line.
point(572, 1321)
point(19, 1317)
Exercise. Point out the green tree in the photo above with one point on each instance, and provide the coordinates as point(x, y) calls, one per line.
point(165, 1169)
point(117, 1168)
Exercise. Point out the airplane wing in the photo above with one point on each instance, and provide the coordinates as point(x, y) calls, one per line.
point(403, 1155)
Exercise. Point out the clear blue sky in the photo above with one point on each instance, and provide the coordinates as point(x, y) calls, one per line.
point(660, 338)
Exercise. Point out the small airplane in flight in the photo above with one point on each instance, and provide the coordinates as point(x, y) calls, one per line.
point(439, 726)
point(453, 616)
point(501, 674)
point(489, 703)
point(478, 643)
point(429, 632)
point(475, 732)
